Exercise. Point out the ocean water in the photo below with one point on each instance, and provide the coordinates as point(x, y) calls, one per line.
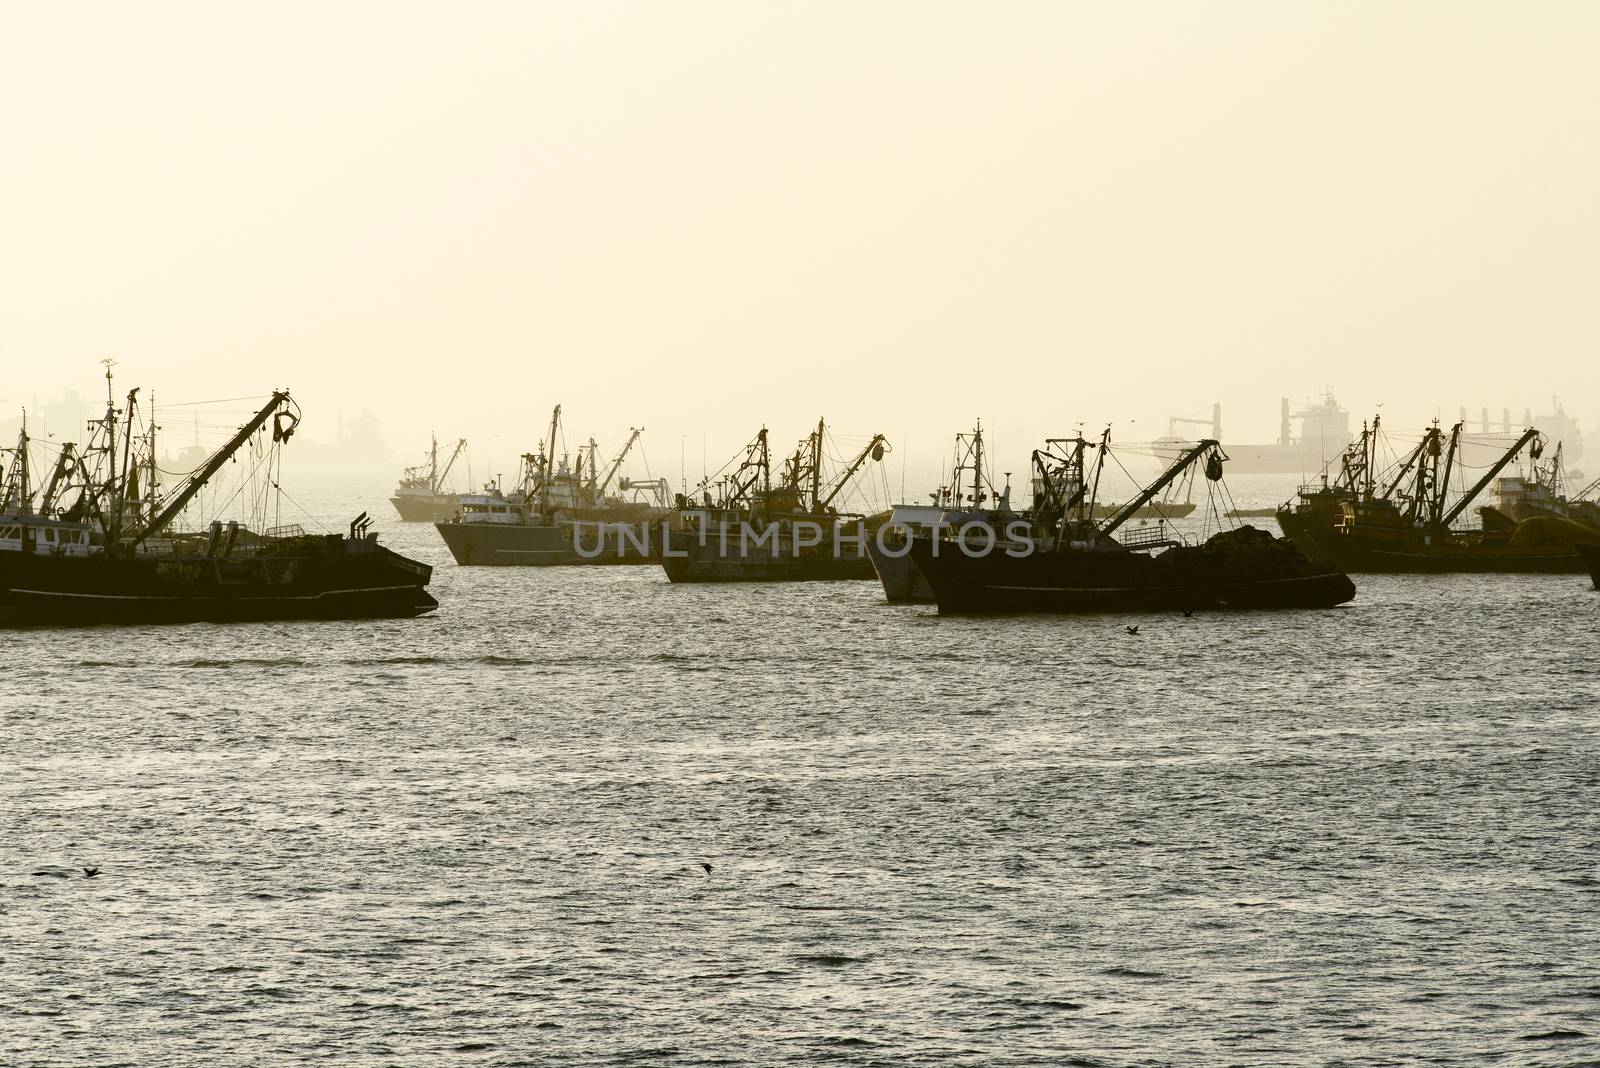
point(1362, 836)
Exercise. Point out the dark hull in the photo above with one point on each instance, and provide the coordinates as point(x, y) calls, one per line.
point(1590, 555)
point(902, 582)
point(326, 579)
point(719, 560)
point(1114, 582)
point(555, 545)
point(1418, 553)
point(418, 509)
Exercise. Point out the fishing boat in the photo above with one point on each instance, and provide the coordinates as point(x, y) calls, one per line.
point(1071, 562)
point(422, 495)
point(1405, 520)
point(749, 526)
point(97, 545)
point(957, 506)
point(560, 512)
point(1319, 504)
point(951, 507)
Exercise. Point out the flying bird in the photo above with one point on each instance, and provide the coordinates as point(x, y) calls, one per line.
point(1132, 630)
point(90, 873)
point(706, 866)
point(1188, 612)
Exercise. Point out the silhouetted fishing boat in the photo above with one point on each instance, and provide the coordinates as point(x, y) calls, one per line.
point(95, 547)
point(423, 495)
point(957, 505)
point(560, 513)
point(953, 506)
point(1072, 563)
point(757, 529)
point(1404, 520)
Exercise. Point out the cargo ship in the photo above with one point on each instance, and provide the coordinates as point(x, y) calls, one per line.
point(1071, 562)
point(560, 512)
point(422, 495)
point(749, 526)
point(1403, 519)
point(97, 544)
point(1322, 433)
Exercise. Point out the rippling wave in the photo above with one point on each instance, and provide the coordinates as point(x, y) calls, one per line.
point(1364, 836)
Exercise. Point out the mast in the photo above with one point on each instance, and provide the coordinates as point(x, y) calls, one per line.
point(193, 484)
point(433, 462)
point(816, 467)
point(549, 463)
point(18, 494)
point(1422, 486)
point(1127, 511)
point(977, 464)
point(1050, 506)
point(1489, 476)
point(150, 460)
point(1099, 465)
point(119, 492)
point(110, 424)
point(766, 466)
point(1442, 486)
point(1370, 448)
point(24, 491)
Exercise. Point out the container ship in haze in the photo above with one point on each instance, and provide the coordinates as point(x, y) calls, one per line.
point(1322, 434)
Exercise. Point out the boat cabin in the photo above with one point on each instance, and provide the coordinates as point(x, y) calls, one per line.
point(481, 508)
point(48, 537)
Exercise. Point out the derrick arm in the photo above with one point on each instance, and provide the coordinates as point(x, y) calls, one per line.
point(192, 485)
point(611, 472)
point(1489, 476)
point(461, 443)
point(844, 480)
point(64, 464)
point(1179, 466)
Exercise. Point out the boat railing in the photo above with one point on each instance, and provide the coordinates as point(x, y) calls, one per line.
point(288, 530)
point(1155, 537)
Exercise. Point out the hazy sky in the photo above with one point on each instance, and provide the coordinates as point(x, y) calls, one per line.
point(700, 217)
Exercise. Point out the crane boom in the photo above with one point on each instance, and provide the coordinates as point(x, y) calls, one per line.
point(1181, 464)
point(611, 472)
point(192, 485)
point(461, 443)
point(878, 440)
point(1489, 476)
